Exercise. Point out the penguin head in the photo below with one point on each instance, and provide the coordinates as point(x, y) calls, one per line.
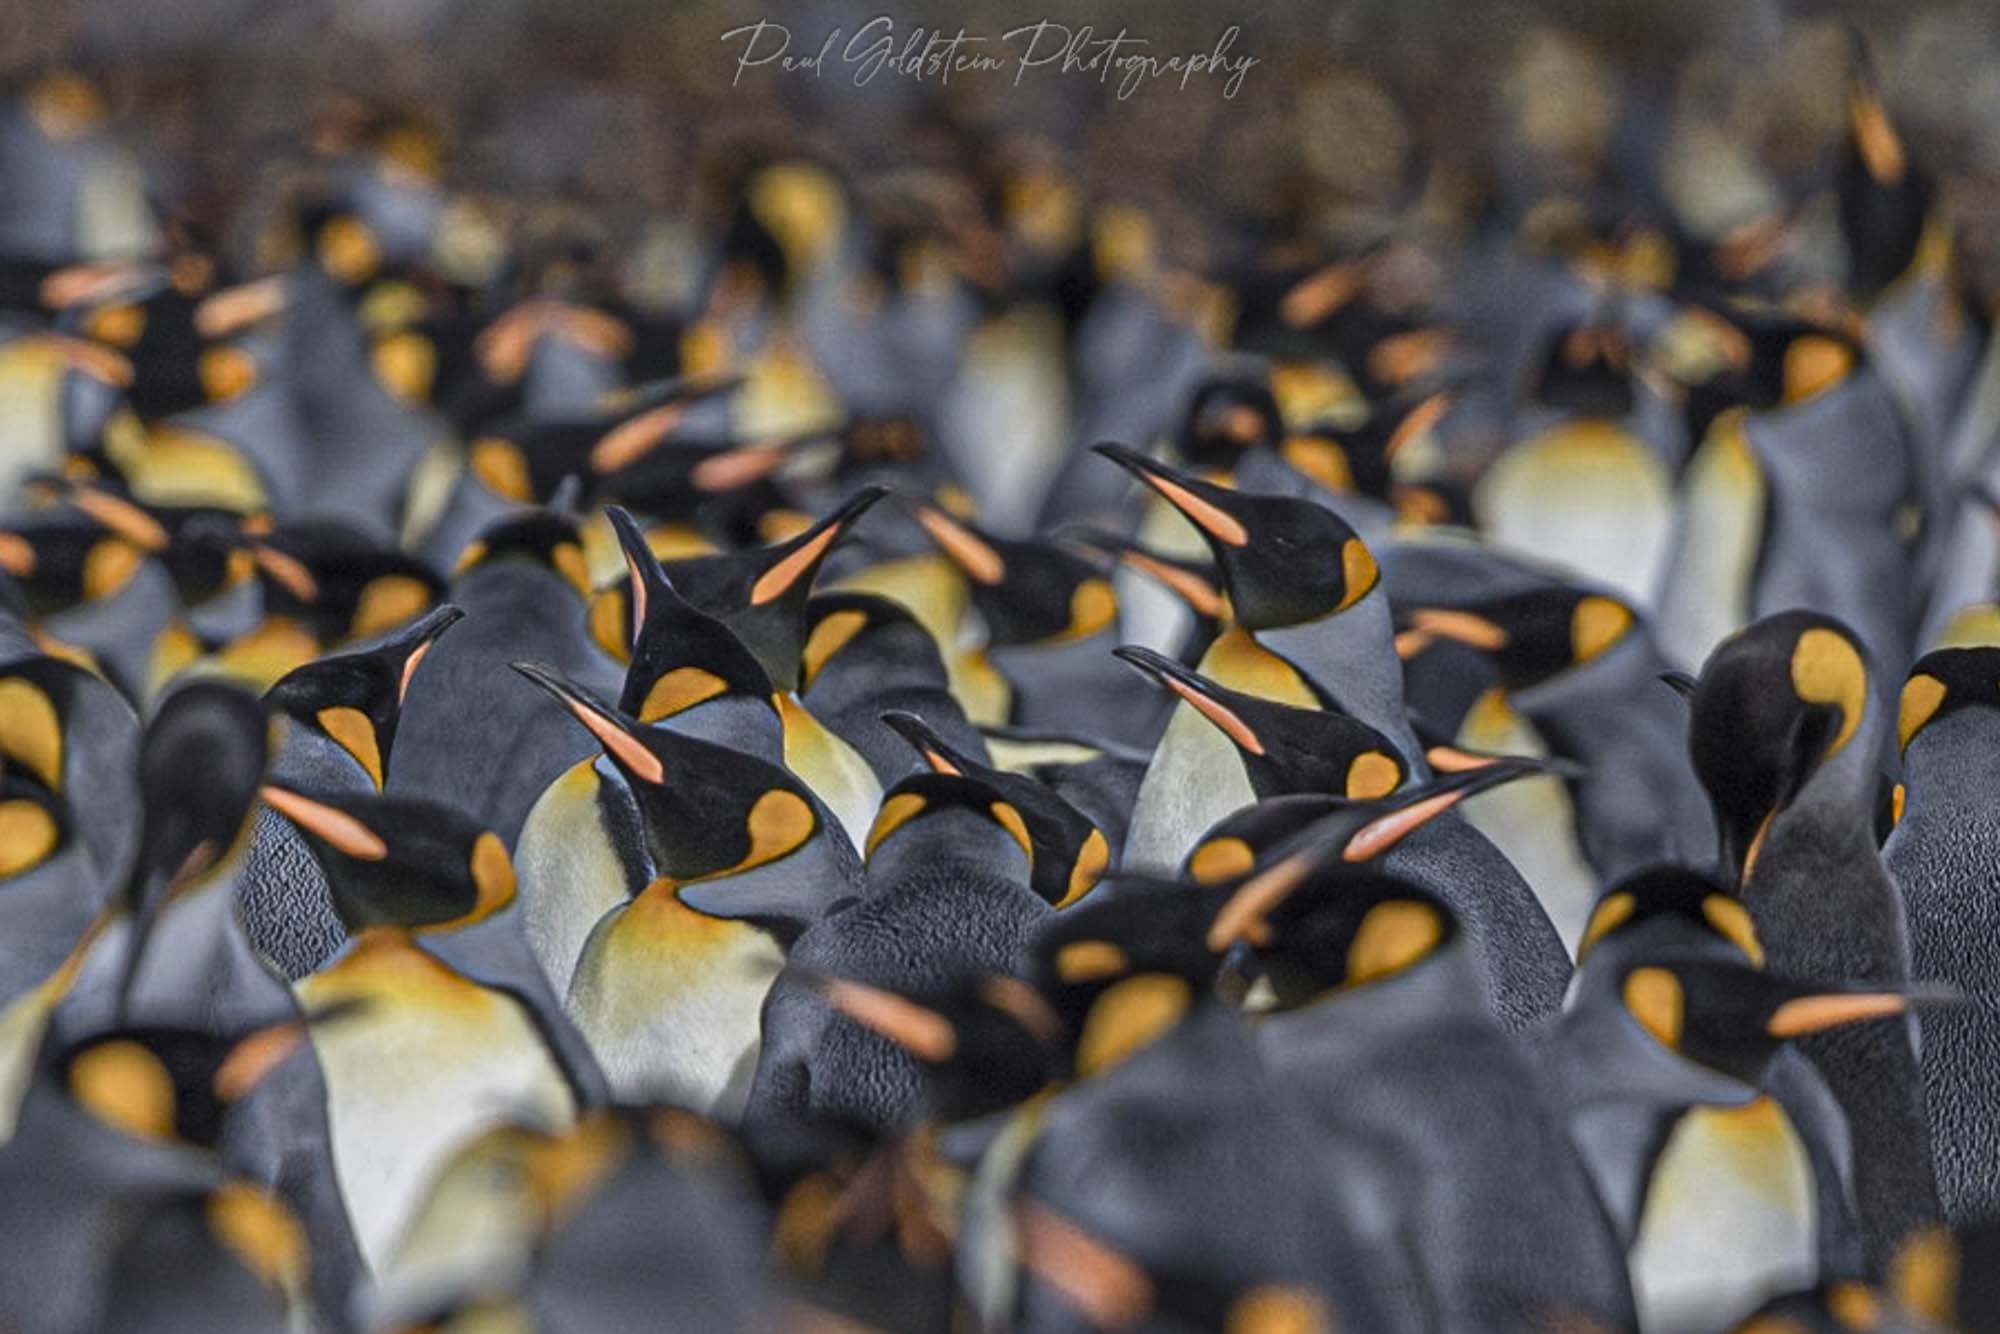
point(38, 702)
point(340, 245)
point(1338, 928)
point(174, 1086)
point(219, 732)
point(868, 631)
point(1068, 852)
point(985, 1043)
point(1586, 371)
point(86, 551)
point(1285, 561)
point(1302, 833)
point(738, 837)
point(680, 656)
point(1227, 416)
point(339, 584)
point(1124, 968)
point(948, 812)
point(1666, 910)
point(400, 861)
point(355, 700)
point(1777, 704)
point(1285, 749)
point(542, 537)
point(1361, 459)
point(1755, 358)
point(1730, 1016)
point(1884, 198)
point(761, 594)
point(1026, 592)
point(1942, 682)
point(1528, 636)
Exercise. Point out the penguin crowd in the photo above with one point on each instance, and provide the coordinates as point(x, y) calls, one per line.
point(993, 768)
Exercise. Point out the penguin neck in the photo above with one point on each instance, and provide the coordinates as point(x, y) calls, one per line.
point(947, 846)
point(1350, 656)
point(740, 722)
point(1842, 790)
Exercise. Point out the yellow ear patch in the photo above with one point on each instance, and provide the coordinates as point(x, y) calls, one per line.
point(226, 373)
point(108, 567)
point(1220, 859)
point(28, 835)
point(262, 1232)
point(125, 1086)
point(567, 558)
point(1276, 1309)
point(1876, 138)
point(1091, 607)
point(607, 620)
point(1372, 774)
point(1320, 460)
point(1129, 1015)
point(1925, 1275)
point(386, 602)
point(406, 364)
point(1595, 625)
point(1730, 918)
point(779, 821)
point(493, 878)
point(896, 812)
point(1923, 695)
point(1392, 936)
point(1813, 365)
point(1010, 820)
point(348, 251)
point(1655, 998)
point(1087, 869)
point(355, 734)
point(30, 732)
point(678, 690)
point(829, 636)
point(502, 466)
point(1827, 669)
point(1610, 914)
point(1358, 571)
point(1090, 961)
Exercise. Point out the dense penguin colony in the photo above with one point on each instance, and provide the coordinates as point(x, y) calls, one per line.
point(979, 775)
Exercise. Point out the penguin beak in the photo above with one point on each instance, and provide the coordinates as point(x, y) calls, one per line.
point(965, 548)
point(1384, 824)
point(738, 467)
point(416, 642)
point(613, 731)
point(1430, 624)
point(797, 560)
point(640, 433)
point(1195, 499)
point(121, 517)
point(340, 831)
point(1202, 595)
point(924, 1033)
point(1806, 1011)
point(262, 1051)
point(1109, 1289)
point(1196, 690)
point(641, 565)
point(936, 752)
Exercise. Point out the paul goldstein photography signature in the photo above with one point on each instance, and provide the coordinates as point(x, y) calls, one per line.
point(1121, 60)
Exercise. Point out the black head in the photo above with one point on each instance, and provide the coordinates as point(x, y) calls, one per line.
point(837, 622)
point(914, 807)
point(219, 732)
point(681, 656)
point(339, 584)
point(355, 699)
point(1340, 927)
point(1360, 459)
point(761, 594)
point(537, 537)
point(1586, 370)
point(1670, 909)
point(1284, 561)
point(1285, 750)
point(1124, 969)
point(1775, 702)
point(79, 553)
point(1529, 636)
point(1026, 592)
point(1884, 197)
point(1069, 853)
point(1755, 358)
point(1227, 416)
point(1731, 1016)
point(985, 1043)
point(400, 861)
point(709, 812)
point(1944, 681)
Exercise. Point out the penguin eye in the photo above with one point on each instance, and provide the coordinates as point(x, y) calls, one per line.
point(1220, 859)
point(1732, 919)
point(1827, 669)
point(1392, 936)
point(1923, 696)
point(1655, 999)
point(1087, 869)
point(28, 834)
point(1616, 909)
point(30, 730)
point(126, 1087)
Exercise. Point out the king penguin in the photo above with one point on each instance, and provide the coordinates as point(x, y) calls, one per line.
point(1787, 736)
